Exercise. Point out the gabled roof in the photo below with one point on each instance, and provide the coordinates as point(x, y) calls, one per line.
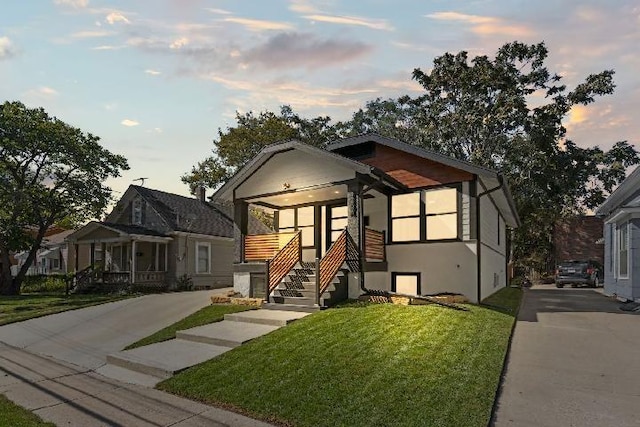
point(488, 177)
point(189, 215)
point(226, 191)
point(625, 193)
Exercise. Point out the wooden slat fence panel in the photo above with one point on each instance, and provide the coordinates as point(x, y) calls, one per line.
point(261, 247)
point(282, 263)
point(374, 245)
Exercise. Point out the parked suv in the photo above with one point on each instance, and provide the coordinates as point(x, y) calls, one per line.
point(579, 272)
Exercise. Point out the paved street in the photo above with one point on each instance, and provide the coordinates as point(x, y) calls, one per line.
point(574, 361)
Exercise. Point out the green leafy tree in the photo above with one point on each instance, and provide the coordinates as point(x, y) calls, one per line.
point(50, 172)
point(507, 113)
point(238, 144)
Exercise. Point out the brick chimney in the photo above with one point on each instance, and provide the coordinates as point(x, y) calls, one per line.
point(201, 193)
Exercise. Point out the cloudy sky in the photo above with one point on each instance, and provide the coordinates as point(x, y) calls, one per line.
point(156, 79)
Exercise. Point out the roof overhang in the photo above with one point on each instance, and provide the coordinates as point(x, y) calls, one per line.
point(625, 191)
point(311, 192)
point(84, 235)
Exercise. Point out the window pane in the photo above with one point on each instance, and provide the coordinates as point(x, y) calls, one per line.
point(335, 235)
point(405, 205)
point(442, 227)
point(305, 216)
point(407, 284)
point(307, 236)
point(339, 211)
point(406, 229)
point(441, 201)
point(338, 224)
point(203, 259)
point(286, 218)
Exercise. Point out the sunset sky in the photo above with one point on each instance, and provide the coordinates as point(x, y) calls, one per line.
point(156, 79)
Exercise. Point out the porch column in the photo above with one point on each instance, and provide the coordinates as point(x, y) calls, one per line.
point(156, 265)
point(240, 225)
point(103, 248)
point(166, 257)
point(133, 261)
point(93, 255)
point(355, 222)
point(76, 248)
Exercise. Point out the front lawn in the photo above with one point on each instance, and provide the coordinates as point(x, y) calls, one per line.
point(24, 307)
point(16, 416)
point(363, 364)
point(204, 316)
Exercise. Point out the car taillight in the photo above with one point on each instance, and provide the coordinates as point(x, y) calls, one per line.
point(589, 270)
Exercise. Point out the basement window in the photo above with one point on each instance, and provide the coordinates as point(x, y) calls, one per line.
point(405, 283)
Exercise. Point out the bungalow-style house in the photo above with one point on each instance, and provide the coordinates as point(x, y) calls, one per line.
point(51, 257)
point(156, 239)
point(621, 213)
point(368, 213)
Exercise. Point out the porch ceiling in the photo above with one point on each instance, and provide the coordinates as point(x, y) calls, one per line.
point(302, 196)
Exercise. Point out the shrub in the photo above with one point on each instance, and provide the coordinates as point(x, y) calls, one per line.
point(44, 284)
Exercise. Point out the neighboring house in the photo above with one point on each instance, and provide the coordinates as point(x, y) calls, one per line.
point(621, 213)
point(51, 257)
point(401, 219)
point(157, 239)
point(578, 238)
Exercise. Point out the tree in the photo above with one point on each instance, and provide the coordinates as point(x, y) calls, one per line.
point(238, 144)
point(50, 172)
point(507, 113)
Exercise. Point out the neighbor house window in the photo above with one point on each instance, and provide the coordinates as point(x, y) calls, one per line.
point(405, 217)
point(425, 216)
point(623, 250)
point(136, 212)
point(203, 258)
point(405, 283)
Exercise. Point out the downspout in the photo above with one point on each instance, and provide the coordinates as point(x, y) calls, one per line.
point(479, 249)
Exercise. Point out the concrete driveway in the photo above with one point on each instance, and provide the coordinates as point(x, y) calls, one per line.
point(84, 337)
point(574, 361)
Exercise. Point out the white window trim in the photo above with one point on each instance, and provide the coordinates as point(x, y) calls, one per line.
point(617, 251)
point(197, 257)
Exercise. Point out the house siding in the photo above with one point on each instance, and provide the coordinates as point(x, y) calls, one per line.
point(443, 267)
point(493, 251)
point(610, 285)
point(221, 261)
point(634, 254)
point(414, 171)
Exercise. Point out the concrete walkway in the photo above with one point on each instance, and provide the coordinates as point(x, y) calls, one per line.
point(71, 396)
point(574, 361)
point(151, 364)
point(85, 337)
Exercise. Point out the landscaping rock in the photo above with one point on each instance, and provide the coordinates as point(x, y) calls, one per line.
point(254, 302)
point(219, 299)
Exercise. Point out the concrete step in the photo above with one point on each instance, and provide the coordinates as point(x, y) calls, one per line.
point(226, 333)
point(127, 376)
point(164, 359)
point(266, 317)
point(291, 307)
point(304, 300)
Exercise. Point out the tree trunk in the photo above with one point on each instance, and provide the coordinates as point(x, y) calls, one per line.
point(17, 281)
point(7, 285)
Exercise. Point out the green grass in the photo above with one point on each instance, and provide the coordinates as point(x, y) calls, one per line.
point(24, 307)
point(506, 300)
point(209, 314)
point(364, 364)
point(13, 415)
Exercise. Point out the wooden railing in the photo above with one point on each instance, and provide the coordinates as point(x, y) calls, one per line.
point(116, 277)
point(374, 248)
point(149, 277)
point(342, 251)
point(282, 263)
point(262, 247)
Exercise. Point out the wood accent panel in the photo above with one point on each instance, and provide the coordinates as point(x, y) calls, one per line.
point(332, 261)
point(374, 245)
point(261, 247)
point(414, 171)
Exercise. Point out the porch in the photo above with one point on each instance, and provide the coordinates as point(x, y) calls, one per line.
point(107, 257)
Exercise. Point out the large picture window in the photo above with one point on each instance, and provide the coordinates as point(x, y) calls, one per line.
point(623, 250)
point(203, 258)
point(301, 219)
point(427, 215)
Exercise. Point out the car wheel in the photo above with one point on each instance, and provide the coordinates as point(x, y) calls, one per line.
point(559, 285)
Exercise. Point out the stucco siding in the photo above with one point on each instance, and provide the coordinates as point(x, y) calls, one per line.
point(443, 267)
point(493, 250)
